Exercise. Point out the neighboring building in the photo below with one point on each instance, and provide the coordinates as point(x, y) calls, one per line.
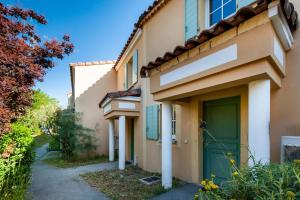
point(90, 83)
point(70, 101)
point(231, 67)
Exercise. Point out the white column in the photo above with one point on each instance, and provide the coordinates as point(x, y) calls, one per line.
point(259, 121)
point(122, 142)
point(166, 145)
point(111, 140)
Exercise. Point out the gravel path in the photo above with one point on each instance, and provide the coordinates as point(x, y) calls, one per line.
point(51, 183)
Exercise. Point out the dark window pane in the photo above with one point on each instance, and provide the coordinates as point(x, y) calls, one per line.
point(216, 17)
point(215, 4)
point(229, 8)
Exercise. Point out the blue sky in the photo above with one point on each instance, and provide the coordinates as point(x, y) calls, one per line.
point(98, 29)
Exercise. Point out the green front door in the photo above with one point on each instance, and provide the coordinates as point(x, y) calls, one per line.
point(222, 119)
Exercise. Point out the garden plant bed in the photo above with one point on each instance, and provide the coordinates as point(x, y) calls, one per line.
point(59, 162)
point(125, 184)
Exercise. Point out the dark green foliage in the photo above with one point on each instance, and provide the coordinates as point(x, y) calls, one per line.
point(16, 147)
point(54, 144)
point(74, 139)
point(15, 160)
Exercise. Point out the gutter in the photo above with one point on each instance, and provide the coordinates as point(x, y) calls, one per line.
point(280, 25)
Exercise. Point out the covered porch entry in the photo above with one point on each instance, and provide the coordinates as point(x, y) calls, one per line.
point(232, 123)
point(122, 109)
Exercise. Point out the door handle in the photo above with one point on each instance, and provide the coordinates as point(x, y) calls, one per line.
point(203, 124)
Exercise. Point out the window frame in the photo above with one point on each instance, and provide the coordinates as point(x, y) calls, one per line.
point(174, 123)
point(207, 13)
point(128, 85)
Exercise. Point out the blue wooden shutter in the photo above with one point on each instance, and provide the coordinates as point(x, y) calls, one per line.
point(242, 3)
point(152, 122)
point(135, 66)
point(191, 18)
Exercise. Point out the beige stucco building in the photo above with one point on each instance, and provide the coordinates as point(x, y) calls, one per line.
point(198, 79)
point(90, 82)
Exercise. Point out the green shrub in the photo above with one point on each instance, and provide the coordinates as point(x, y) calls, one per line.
point(16, 156)
point(259, 182)
point(54, 144)
point(39, 113)
point(74, 139)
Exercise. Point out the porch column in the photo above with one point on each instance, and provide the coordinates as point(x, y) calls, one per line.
point(122, 142)
point(166, 145)
point(111, 140)
point(259, 121)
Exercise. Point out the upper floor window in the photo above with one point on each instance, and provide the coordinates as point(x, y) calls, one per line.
point(220, 9)
point(191, 18)
point(131, 71)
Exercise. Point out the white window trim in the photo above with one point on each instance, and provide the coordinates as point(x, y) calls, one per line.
point(207, 14)
point(126, 84)
point(174, 123)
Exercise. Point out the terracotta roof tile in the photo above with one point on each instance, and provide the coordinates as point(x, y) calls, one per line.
point(144, 17)
point(241, 15)
point(92, 63)
point(118, 94)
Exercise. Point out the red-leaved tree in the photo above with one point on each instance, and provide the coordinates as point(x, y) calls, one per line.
point(24, 59)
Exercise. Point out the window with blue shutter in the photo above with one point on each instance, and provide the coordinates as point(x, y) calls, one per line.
point(191, 18)
point(152, 122)
point(131, 71)
point(242, 3)
point(135, 66)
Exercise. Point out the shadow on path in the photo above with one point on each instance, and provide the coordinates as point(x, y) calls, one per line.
point(51, 183)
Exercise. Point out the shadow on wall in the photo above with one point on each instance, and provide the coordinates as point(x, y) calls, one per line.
point(92, 115)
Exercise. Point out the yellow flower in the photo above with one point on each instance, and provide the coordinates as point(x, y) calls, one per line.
point(232, 162)
point(203, 183)
point(213, 176)
point(213, 186)
point(290, 194)
point(235, 173)
point(297, 161)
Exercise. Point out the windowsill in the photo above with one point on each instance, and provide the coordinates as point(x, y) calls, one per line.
point(132, 86)
point(174, 141)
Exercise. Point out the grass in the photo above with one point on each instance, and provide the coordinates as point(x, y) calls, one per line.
point(40, 140)
point(60, 163)
point(125, 184)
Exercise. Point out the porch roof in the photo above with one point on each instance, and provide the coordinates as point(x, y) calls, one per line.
point(241, 15)
point(118, 94)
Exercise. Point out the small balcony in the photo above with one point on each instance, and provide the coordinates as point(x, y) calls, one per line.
point(121, 103)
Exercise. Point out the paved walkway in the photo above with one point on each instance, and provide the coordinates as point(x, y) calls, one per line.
point(51, 183)
point(186, 192)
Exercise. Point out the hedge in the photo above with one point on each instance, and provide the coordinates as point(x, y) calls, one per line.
point(16, 157)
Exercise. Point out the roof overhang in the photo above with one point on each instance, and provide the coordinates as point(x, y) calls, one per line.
point(282, 14)
point(123, 106)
